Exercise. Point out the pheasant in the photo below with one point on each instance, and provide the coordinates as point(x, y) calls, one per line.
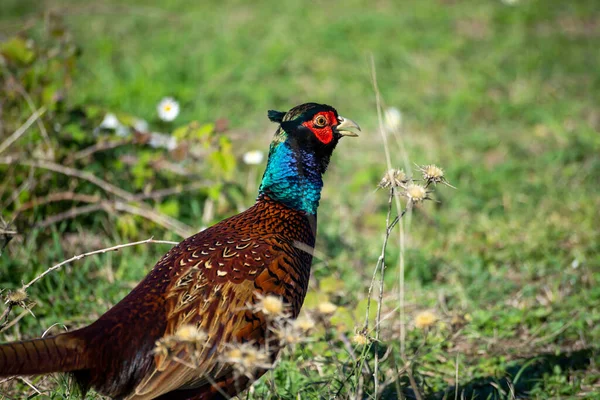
point(208, 282)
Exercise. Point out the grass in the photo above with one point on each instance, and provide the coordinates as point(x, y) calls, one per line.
point(504, 97)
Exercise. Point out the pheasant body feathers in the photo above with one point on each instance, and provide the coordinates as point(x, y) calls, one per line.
point(211, 281)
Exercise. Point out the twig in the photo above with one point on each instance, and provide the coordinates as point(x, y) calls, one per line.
point(61, 196)
point(87, 176)
point(7, 325)
point(91, 253)
point(5, 314)
point(85, 198)
point(158, 194)
point(381, 265)
point(413, 384)
point(69, 214)
point(456, 378)
point(22, 129)
point(167, 222)
point(26, 185)
point(178, 227)
point(100, 146)
point(402, 236)
point(32, 108)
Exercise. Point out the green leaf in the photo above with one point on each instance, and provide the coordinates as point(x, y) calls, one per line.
point(170, 208)
point(361, 310)
point(331, 284)
point(17, 50)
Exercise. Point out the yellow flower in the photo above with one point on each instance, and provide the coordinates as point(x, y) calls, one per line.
point(425, 319)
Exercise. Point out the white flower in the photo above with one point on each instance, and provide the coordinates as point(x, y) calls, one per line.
point(110, 121)
point(392, 119)
point(253, 157)
point(168, 109)
point(161, 140)
point(122, 131)
point(140, 125)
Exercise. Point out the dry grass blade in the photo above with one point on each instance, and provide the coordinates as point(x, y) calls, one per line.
point(91, 253)
point(87, 176)
point(22, 129)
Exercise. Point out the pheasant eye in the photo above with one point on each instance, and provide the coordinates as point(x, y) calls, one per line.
point(320, 121)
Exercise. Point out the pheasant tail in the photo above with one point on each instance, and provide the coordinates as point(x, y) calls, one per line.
point(60, 353)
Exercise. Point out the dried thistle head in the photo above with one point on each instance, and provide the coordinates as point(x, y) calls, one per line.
point(425, 319)
point(416, 193)
point(287, 333)
point(189, 336)
point(161, 349)
point(190, 333)
point(393, 178)
point(361, 339)
point(304, 324)
point(433, 174)
point(272, 306)
point(16, 297)
point(246, 358)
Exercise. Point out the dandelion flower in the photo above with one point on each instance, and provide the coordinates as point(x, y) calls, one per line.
point(393, 178)
point(392, 119)
point(168, 109)
point(416, 193)
point(425, 319)
point(253, 157)
point(326, 308)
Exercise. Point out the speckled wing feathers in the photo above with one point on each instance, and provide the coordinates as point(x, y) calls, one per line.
point(215, 276)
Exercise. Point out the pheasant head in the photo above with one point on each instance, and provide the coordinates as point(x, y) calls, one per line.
point(300, 153)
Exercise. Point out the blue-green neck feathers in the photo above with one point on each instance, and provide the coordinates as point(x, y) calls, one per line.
point(293, 177)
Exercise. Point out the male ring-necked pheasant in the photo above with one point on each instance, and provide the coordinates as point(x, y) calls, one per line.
point(207, 281)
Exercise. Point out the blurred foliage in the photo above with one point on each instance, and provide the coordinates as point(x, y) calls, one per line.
point(503, 94)
point(37, 67)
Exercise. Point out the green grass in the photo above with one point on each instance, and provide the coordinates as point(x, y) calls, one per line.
point(504, 97)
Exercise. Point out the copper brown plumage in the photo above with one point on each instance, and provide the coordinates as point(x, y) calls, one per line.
point(209, 281)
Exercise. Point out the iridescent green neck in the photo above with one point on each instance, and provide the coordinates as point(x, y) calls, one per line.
point(293, 177)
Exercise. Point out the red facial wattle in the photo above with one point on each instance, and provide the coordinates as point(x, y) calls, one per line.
point(324, 133)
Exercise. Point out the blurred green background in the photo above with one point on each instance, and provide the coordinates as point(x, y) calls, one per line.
point(504, 95)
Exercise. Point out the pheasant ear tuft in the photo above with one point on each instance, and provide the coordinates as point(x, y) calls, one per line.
point(276, 116)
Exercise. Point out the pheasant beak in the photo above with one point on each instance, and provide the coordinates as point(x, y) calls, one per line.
point(346, 127)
